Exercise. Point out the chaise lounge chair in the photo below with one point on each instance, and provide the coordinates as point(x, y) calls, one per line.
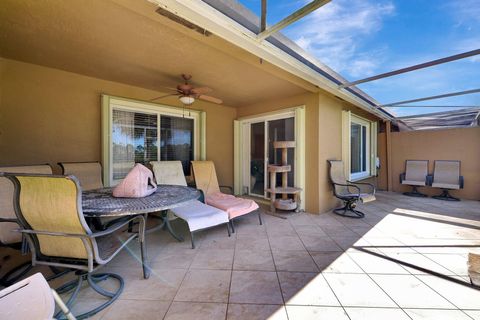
point(446, 175)
point(415, 175)
point(198, 215)
point(349, 192)
point(206, 180)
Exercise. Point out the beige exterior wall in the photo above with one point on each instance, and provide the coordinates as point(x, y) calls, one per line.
point(323, 141)
point(451, 144)
point(48, 115)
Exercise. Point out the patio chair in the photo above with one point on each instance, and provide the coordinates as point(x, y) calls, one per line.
point(415, 175)
point(31, 298)
point(446, 176)
point(349, 192)
point(49, 211)
point(8, 220)
point(199, 216)
point(88, 173)
point(206, 180)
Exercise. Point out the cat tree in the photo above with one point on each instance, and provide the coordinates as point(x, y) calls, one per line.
point(284, 202)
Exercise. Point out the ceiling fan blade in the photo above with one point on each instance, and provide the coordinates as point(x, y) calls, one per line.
point(210, 99)
point(201, 90)
point(168, 95)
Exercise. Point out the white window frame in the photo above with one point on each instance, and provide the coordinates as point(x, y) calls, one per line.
point(110, 103)
point(364, 123)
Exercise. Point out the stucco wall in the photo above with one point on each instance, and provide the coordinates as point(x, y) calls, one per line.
point(451, 144)
point(48, 115)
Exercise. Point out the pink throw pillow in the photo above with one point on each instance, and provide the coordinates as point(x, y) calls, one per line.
point(138, 183)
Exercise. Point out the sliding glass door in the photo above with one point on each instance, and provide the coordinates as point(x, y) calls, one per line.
point(263, 132)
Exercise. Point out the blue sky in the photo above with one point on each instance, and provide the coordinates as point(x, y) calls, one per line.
point(360, 38)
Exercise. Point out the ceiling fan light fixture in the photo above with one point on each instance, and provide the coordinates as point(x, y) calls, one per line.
point(187, 100)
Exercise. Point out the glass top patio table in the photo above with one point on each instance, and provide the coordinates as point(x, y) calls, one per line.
point(101, 203)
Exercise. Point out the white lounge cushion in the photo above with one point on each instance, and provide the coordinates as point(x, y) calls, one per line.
point(445, 185)
point(414, 183)
point(199, 215)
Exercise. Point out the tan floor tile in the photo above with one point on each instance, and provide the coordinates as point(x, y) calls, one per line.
point(335, 262)
point(136, 309)
point(256, 312)
point(461, 296)
point(253, 260)
point(294, 261)
point(252, 243)
point(316, 313)
point(213, 259)
point(260, 287)
point(196, 310)
point(376, 313)
point(373, 264)
point(409, 292)
point(425, 314)
point(357, 290)
point(300, 288)
point(181, 258)
point(286, 243)
point(162, 284)
point(204, 286)
point(319, 243)
point(475, 314)
point(311, 229)
point(218, 243)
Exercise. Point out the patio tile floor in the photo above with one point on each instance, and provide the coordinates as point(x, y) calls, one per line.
point(310, 267)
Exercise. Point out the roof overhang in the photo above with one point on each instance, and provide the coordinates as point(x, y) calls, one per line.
point(216, 22)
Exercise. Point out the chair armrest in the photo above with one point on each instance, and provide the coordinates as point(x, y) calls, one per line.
point(51, 233)
point(461, 182)
point(227, 187)
point(366, 184)
point(402, 177)
point(429, 179)
point(345, 185)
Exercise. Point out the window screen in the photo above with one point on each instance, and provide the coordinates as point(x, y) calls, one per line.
point(177, 140)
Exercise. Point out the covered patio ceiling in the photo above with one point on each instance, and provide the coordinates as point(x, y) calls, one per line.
point(128, 42)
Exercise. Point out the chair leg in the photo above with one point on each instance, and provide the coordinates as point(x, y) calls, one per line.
point(259, 216)
point(193, 239)
point(445, 195)
point(143, 249)
point(348, 210)
point(233, 227)
point(92, 280)
point(415, 193)
point(228, 229)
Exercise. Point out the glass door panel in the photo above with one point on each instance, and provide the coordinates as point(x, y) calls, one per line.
point(282, 130)
point(257, 158)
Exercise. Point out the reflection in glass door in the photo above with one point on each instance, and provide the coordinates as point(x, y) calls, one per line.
point(257, 158)
point(281, 130)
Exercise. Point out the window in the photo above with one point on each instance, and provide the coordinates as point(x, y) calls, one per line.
point(359, 148)
point(138, 132)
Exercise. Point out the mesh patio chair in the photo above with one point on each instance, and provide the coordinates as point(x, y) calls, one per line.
point(415, 175)
point(88, 173)
point(49, 211)
point(198, 215)
point(349, 192)
point(446, 176)
point(206, 180)
point(8, 220)
point(31, 298)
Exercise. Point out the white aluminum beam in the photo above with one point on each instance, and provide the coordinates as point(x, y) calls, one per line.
point(200, 13)
point(413, 68)
point(300, 13)
point(446, 95)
